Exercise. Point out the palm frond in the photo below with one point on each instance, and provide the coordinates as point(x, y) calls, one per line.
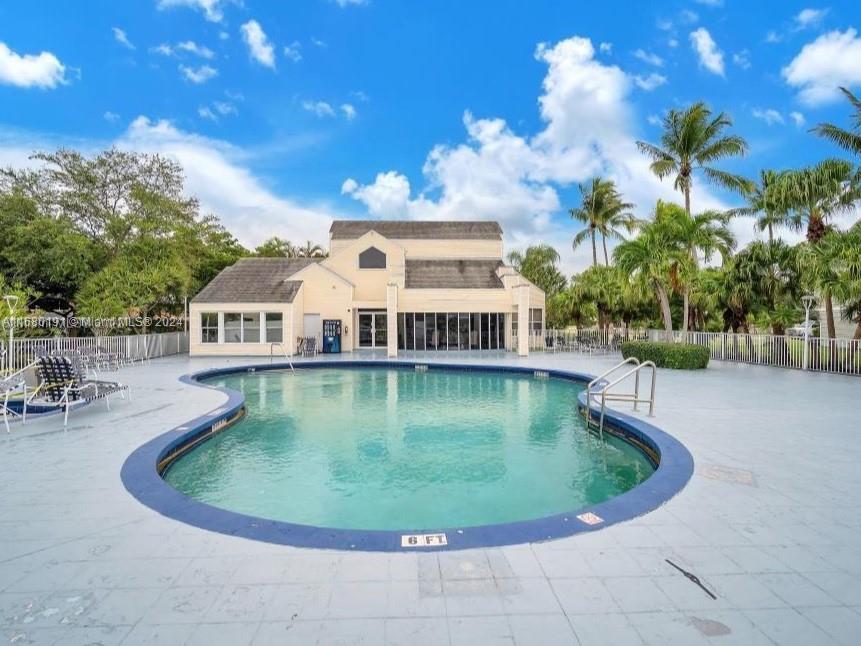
point(727, 180)
point(843, 138)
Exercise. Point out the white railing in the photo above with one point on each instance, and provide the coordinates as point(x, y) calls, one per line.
point(841, 356)
point(135, 346)
point(590, 340)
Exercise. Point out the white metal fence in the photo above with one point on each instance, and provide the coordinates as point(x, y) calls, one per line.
point(841, 356)
point(135, 346)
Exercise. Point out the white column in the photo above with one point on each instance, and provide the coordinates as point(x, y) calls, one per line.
point(523, 330)
point(392, 319)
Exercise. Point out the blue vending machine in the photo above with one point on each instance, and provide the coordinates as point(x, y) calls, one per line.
point(331, 336)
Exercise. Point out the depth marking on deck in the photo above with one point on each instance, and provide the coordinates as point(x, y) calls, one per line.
point(590, 519)
point(423, 540)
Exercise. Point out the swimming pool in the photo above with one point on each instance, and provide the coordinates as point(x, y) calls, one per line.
point(397, 449)
point(387, 456)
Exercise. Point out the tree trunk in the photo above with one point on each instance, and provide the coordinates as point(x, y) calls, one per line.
point(594, 251)
point(688, 201)
point(770, 234)
point(666, 315)
point(829, 316)
point(686, 316)
point(857, 335)
point(604, 242)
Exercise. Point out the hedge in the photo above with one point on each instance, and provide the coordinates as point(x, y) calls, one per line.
point(685, 356)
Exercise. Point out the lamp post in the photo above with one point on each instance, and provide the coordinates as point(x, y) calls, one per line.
point(808, 301)
point(12, 303)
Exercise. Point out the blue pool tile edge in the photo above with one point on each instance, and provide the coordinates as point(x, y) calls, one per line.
point(141, 478)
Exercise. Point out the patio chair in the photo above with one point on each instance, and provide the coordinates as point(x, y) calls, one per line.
point(64, 381)
point(309, 347)
point(12, 385)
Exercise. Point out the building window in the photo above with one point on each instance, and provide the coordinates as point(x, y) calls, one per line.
point(209, 327)
point(232, 328)
point(536, 319)
point(372, 258)
point(242, 328)
point(251, 327)
point(451, 331)
point(274, 327)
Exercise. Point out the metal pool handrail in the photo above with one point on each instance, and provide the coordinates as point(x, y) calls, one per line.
point(634, 397)
point(284, 350)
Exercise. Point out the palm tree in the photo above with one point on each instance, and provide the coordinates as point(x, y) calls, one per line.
point(692, 141)
point(811, 196)
point(703, 234)
point(276, 247)
point(834, 268)
point(311, 250)
point(653, 258)
point(538, 264)
point(601, 286)
point(760, 204)
point(603, 212)
point(847, 139)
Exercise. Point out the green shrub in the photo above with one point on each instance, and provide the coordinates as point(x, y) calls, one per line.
point(668, 355)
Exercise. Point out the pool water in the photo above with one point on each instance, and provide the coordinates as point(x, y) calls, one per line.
point(379, 448)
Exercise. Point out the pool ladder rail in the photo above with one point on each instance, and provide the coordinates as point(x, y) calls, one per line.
point(599, 390)
point(284, 350)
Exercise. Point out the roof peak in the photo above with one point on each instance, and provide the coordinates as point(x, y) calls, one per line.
point(418, 229)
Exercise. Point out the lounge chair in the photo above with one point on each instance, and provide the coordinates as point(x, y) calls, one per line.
point(309, 348)
point(13, 385)
point(65, 382)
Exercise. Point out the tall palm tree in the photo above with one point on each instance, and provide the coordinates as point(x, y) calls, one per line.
point(693, 139)
point(761, 205)
point(834, 268)
point(848, 139)
point(703, 234)
point(653, 258)
point(603, 212)
point(311, 250)
point(812, 196)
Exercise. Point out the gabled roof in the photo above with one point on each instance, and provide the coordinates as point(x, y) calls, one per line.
point(255, 280)
point(417, 230)
point(452, 274)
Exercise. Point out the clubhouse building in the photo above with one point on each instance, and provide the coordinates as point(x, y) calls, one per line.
point(386, 285)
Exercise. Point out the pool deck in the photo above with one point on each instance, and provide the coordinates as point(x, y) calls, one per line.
point(770, 522)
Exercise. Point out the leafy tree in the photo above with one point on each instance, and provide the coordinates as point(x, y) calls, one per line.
point(847, 139)
point(761, 204)
point(812, 196)
point(704, 234)
point(834, 267)
point(311, 250)
point(276, 247)
point(538, 265)
point(693, 140)
point(603, 212)
point(601, 286)
point(654, 259)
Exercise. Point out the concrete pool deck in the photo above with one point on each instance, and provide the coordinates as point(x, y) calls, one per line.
point(770, 522)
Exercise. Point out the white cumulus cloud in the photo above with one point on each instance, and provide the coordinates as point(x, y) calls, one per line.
point(810, 18)
point(259, 47)
point(213, 10)
point(709, 55)
point(649, 57)
point(349, 111)
point(319, 108)
point(198, 75)
point(122, 38)
point(293, 51)
point(830, 61)
point(797, 118)
point(588, 129)
point(42, 70)
point(217, 174)
point(650, 82)
point(193, 48)
point(769, 115)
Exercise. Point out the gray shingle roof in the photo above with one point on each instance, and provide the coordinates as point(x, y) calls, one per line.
point(255, 280)
point(453, 274)
point(415, 230)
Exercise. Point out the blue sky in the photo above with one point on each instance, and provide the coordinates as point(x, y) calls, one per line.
point(286, 115)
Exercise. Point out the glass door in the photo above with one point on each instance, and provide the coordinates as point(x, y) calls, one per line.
point(373, 329)
point(366, 330)
point(380, 330)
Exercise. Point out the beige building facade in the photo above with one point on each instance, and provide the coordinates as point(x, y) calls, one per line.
point(397, 286)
